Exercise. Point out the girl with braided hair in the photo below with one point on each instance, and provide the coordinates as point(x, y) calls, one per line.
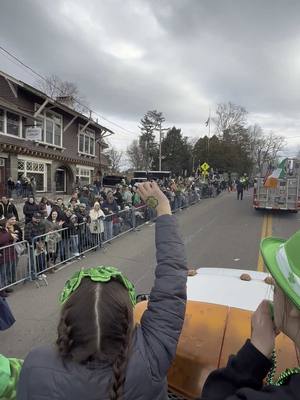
point(100, 354)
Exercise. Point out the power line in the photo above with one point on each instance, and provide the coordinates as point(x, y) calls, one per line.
point(15, 58)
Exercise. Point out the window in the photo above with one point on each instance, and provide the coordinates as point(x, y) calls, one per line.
point(51, 124)
point(81, 143)
point(1, 120)
point(33, 169)
point(10, 123)
point(49, 131)
point(60, 179)
point(83, 175)
point(86, 142)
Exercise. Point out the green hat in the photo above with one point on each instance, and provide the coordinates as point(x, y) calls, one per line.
point(10, 369)
point(282, 259)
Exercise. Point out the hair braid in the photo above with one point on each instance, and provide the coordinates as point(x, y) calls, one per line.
point(64, 340)
point(120, 364)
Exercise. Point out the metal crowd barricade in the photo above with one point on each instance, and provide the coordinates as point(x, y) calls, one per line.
point(57, 247)
point(14, 264)
point(53, 249)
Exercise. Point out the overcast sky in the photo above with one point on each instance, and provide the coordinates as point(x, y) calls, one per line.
point(177, 56)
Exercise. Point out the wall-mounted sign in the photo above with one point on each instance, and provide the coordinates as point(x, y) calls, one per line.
point(34, 133)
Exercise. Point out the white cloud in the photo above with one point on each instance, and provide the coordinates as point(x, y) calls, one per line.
point(178, 56)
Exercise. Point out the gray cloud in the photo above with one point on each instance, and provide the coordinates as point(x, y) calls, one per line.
point(178, 56)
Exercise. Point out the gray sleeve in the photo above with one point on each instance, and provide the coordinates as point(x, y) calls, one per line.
point(163, 320)
point(23, 384)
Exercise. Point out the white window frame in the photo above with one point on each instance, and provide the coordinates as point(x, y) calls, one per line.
point(84, 172)
point(5, 124)
point(43, 116)
point(25, 170)
point(87, 135)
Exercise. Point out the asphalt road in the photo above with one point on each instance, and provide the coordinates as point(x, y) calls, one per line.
point(220, 232)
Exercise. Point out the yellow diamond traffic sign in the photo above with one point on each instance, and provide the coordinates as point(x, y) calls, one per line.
point(204, 166)
point(204, 173)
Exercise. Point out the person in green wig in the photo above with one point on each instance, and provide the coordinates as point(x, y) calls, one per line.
point(100, 352)
point(243, 377)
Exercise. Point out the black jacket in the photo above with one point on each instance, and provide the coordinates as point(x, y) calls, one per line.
point(242, 379)
point(29, 209)
point(45, 376)
point(8, 208)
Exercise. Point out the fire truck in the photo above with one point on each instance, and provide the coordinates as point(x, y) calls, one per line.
point(279, 191)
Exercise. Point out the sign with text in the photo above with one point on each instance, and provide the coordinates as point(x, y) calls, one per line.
point(34, 133)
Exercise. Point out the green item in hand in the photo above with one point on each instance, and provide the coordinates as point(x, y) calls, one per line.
point(152, 202)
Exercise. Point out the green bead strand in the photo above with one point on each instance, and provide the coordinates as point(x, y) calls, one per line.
point(283, 377)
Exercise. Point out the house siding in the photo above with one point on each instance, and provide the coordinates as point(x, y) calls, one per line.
point(67, 157)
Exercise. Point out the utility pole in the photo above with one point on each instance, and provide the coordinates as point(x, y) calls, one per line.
point(160, 140)
point(160, 134)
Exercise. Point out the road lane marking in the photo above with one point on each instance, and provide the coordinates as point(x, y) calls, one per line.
point(266, 231)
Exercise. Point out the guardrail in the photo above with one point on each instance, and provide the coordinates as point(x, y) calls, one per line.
point(14, 264)
point(28, 261)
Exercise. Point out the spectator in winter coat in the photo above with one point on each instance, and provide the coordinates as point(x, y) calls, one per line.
point(83, 219)
point(37, 246)
point(110, 209)
point(8, 256)
point(14, 227)
point(7, 207)
point(101, 353)
point(127, 197)
point(96, 225)
point(136, 200)
point(239, 189)
point(87, 198)
point(10, 186)
point(243, 377)
point(73, 232)
point(30, 207)
point(45, 206)
point(118, 197)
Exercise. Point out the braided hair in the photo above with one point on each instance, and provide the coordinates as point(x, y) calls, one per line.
point(96, 324)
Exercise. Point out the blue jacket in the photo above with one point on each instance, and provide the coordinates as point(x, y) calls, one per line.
point(45, 376)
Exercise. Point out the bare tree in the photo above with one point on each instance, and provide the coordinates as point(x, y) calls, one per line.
point(135, 155)
point(265, 147)
point(230, 117)
point(56, 88)
point(115, 159)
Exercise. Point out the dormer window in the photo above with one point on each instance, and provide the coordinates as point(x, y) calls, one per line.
point(86, 142)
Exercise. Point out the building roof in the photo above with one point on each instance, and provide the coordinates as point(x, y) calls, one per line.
point(57, 104)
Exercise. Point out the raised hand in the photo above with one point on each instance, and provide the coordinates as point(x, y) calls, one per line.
point(150, 192)
point(263, 329)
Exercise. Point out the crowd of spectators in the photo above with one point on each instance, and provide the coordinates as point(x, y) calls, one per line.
point(61, 229)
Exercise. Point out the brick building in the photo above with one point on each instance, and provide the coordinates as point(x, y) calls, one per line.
point(45, 139)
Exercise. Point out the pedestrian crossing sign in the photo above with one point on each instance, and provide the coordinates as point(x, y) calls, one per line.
point(205, 166)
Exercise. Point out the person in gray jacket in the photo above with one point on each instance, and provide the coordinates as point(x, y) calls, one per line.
point(100, 354)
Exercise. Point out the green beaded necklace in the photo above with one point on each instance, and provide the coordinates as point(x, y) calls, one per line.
point(283, 377)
